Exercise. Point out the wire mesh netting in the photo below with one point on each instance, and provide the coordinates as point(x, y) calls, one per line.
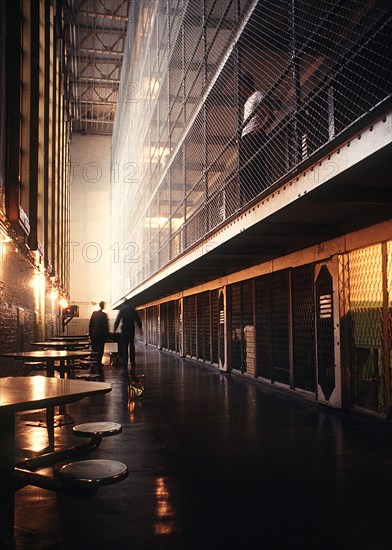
point(370, 290)
point(221, 99)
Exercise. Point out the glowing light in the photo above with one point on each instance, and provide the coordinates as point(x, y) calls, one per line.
point(38, 284)
point(157, 223)
point(162, 528)
point(157, 154)
point(63, 303)
point(131, 408)
point(54, 296)
point(37, 438)
point(164, 509)
point(151, 87)
point(4, 239)
point(39, 387)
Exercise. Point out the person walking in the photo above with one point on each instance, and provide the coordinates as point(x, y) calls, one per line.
point(128, 316)
point(99, 331)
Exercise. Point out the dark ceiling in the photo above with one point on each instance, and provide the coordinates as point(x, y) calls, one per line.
point(95, 48)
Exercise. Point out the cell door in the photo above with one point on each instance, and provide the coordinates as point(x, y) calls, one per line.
point(328, 334)
point(222, 330)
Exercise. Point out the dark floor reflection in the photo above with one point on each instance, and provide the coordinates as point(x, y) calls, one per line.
point(220, 463)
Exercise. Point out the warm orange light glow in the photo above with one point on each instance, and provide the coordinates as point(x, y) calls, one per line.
point(36, 437)
point(156, 223)
point(63, 303)
point(162, 528)
point(131, 408)
point(39, 386)
point(164, 509)
point(38, 284)
point(4, 238)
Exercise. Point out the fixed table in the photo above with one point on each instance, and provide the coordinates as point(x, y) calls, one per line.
point(62, 344)
point(69, 338)
point(22, 394)
point(49, 357)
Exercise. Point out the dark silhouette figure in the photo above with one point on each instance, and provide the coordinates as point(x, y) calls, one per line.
point(128, 316)
point(99, 331)
point(258, 115)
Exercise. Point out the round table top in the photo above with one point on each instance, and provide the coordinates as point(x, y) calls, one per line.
point(21, 393)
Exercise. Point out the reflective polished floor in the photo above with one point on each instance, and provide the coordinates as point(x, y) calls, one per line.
point(217, 463)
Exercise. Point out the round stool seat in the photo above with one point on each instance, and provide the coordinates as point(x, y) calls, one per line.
point(104, 429)
point(93, 473)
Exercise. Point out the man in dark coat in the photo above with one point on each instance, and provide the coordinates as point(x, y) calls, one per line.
point(99, 330)
point(128, 316)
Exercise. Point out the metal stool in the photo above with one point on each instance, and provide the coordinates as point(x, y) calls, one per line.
point(93, 473)
point(102, 429)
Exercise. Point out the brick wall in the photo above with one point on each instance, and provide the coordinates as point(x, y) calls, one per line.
point(27, 309)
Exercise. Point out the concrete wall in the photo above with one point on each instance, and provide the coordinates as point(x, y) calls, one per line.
point(90, 227)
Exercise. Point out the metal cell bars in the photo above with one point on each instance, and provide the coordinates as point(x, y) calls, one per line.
point(366, 299)
point(236, 337)
point(303, 323)
point(190, 326)
point(152, 329)
point(273, 327)
point(242, 314)
point(201, 321)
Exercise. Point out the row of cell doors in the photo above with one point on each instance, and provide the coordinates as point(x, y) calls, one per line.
point(283, 328)
point(320, 328)
point(263, 326)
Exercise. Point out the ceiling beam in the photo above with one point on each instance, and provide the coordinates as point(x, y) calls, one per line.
point(99, 82)
point(119, 32)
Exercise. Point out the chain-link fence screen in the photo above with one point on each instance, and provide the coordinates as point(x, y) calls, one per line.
point(370, 285)
point(303, 323)
point(220, 99)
